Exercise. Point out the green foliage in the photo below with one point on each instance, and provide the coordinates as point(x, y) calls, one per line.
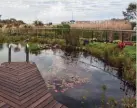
point(11, 21)
point(131, 7)
point(2, 39)
point(70, 36)
point(130, 51)
point(104, 88)
point(110, 102)
point(130, 12)
point(34, 47)
point(115, 56)
point(129, 102)
point(62, 28)
point(12, 39)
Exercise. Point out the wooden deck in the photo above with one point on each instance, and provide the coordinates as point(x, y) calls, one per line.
point(22, 86)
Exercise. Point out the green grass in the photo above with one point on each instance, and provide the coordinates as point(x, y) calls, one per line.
point(130, 51)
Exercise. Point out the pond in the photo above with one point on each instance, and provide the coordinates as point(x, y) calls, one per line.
point(61, 63)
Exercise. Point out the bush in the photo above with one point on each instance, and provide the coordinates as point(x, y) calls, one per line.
point(34, 47)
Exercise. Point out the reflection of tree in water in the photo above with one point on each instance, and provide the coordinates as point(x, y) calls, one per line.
point(54, 51)
point(85, 54)
point(35, 52)
point(1, 46)
point(125, 85)
point(16, 49)
point(127, 88)
point(7, 45)
point(71, 55)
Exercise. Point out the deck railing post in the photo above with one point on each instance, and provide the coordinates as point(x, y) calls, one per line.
point(9, 56)
point(27, 53)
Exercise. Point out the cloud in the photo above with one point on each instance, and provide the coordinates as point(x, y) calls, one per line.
point(61, 10)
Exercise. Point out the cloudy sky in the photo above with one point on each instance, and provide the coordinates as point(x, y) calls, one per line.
point(62, 10)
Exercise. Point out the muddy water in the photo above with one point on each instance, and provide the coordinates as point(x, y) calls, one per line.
point(81, 64)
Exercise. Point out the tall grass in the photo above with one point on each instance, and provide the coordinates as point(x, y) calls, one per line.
point(114, 56)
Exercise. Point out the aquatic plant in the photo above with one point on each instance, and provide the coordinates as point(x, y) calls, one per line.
point(61, 84)
point(104, 88)
point(110, 102)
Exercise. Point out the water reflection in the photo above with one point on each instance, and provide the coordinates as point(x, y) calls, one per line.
point(62, 63)
point(35, 52)
point(85, 54)
point(127, 88)
point(17, 48)
point(1, 46)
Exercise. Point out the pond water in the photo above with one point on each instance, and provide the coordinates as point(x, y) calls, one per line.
point(76, 63)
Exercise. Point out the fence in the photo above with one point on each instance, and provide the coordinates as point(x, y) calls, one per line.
point(72, 34)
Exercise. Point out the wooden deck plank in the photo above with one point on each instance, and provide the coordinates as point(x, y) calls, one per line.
point(2, 104)
point(51, 104)
point(32, 91)
point(9, 90)
point(63, 107)
point(34, 95)
point(33, 100)
point(7, 85)
point(10, 102)
point(40, 100)
point(22, 86)
point(45, 102)
point(9, 93)
point(10, 98)
point(8, 80)
point(5, 106)
point(31, 88)
point(30, 84)
point(58, 105)
point(4, 82)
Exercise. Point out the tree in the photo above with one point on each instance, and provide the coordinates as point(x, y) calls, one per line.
point(38, 23)
point(50, 23)
point(62, 27)
point(130, 13)
point(20, 22)
point(13, 20)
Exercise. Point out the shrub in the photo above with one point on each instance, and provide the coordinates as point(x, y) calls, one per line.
point(34, 47)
